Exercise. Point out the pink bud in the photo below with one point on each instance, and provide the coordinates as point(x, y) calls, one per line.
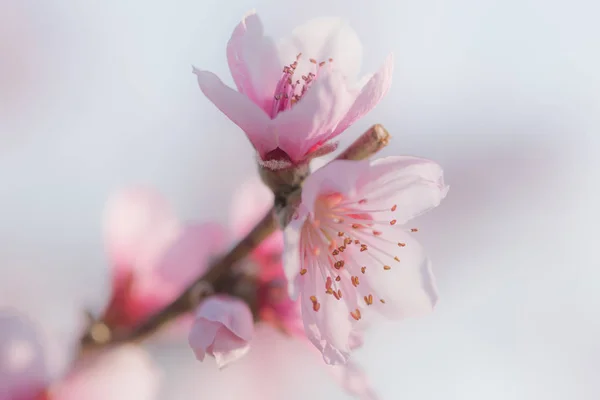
point(222, 328)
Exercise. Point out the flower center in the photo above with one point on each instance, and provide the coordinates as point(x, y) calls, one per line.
point(341, 243)
point(289, 89)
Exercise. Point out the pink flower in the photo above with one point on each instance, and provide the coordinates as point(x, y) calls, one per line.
point(347, 250)
point(223, 328)
point(154, 256)
point(295, 95)
point(123, 373)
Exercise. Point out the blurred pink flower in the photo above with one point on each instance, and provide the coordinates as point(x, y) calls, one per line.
point(346, 249)
point(294, 96)
point(154, 256)
point(223, 328)
point(123, 373)
point(23, 369)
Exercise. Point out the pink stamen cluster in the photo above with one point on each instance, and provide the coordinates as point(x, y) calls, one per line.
point(289, 90)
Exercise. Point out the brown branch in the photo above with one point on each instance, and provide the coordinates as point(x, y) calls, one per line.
point(100, 334)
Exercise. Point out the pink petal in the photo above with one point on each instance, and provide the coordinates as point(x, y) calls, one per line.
point(228, 348)
point(338, 176)
point(124, 373)
point(253, 61)
point(191, 254)
point(240, 110)
point(370, 95)
point(321, 39)
point(291, 254)
point(139, 226)
point(414, 185)
point(314, 118)
point(354, 381)
point(408, 288)
point(23, 369)
point(330, 327)
point(223, 327)
point(251, 201)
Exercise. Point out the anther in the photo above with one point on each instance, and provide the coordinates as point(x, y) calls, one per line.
point(400, 244)
point(357, 241)
point(394, 207)
point(339, 264)
point(355, 226)
point(377, 233)
point(382, 301)
point(363, 247)
point(312, 60)
point(338, 278)
point(363, 269)
point(397, 258)
point(316, 306)
point(313, 299)
point(363, 201)
point(414, 230)
point(387, 267)
point(369, 299)
point(335, 252)
point(321, 63)
point(339, 292)
point(340, 234)
point(393, 222)
point(303, 271)
point(355, 281)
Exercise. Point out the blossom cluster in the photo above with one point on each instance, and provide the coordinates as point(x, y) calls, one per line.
point(345, 253)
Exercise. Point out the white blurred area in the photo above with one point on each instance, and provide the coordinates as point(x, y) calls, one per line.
point(97, 95)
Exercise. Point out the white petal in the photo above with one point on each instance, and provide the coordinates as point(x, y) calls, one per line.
point(413, 185)
point(253, 61)
point(322, 39)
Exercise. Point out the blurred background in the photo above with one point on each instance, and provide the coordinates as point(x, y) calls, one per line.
point(99, 95)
